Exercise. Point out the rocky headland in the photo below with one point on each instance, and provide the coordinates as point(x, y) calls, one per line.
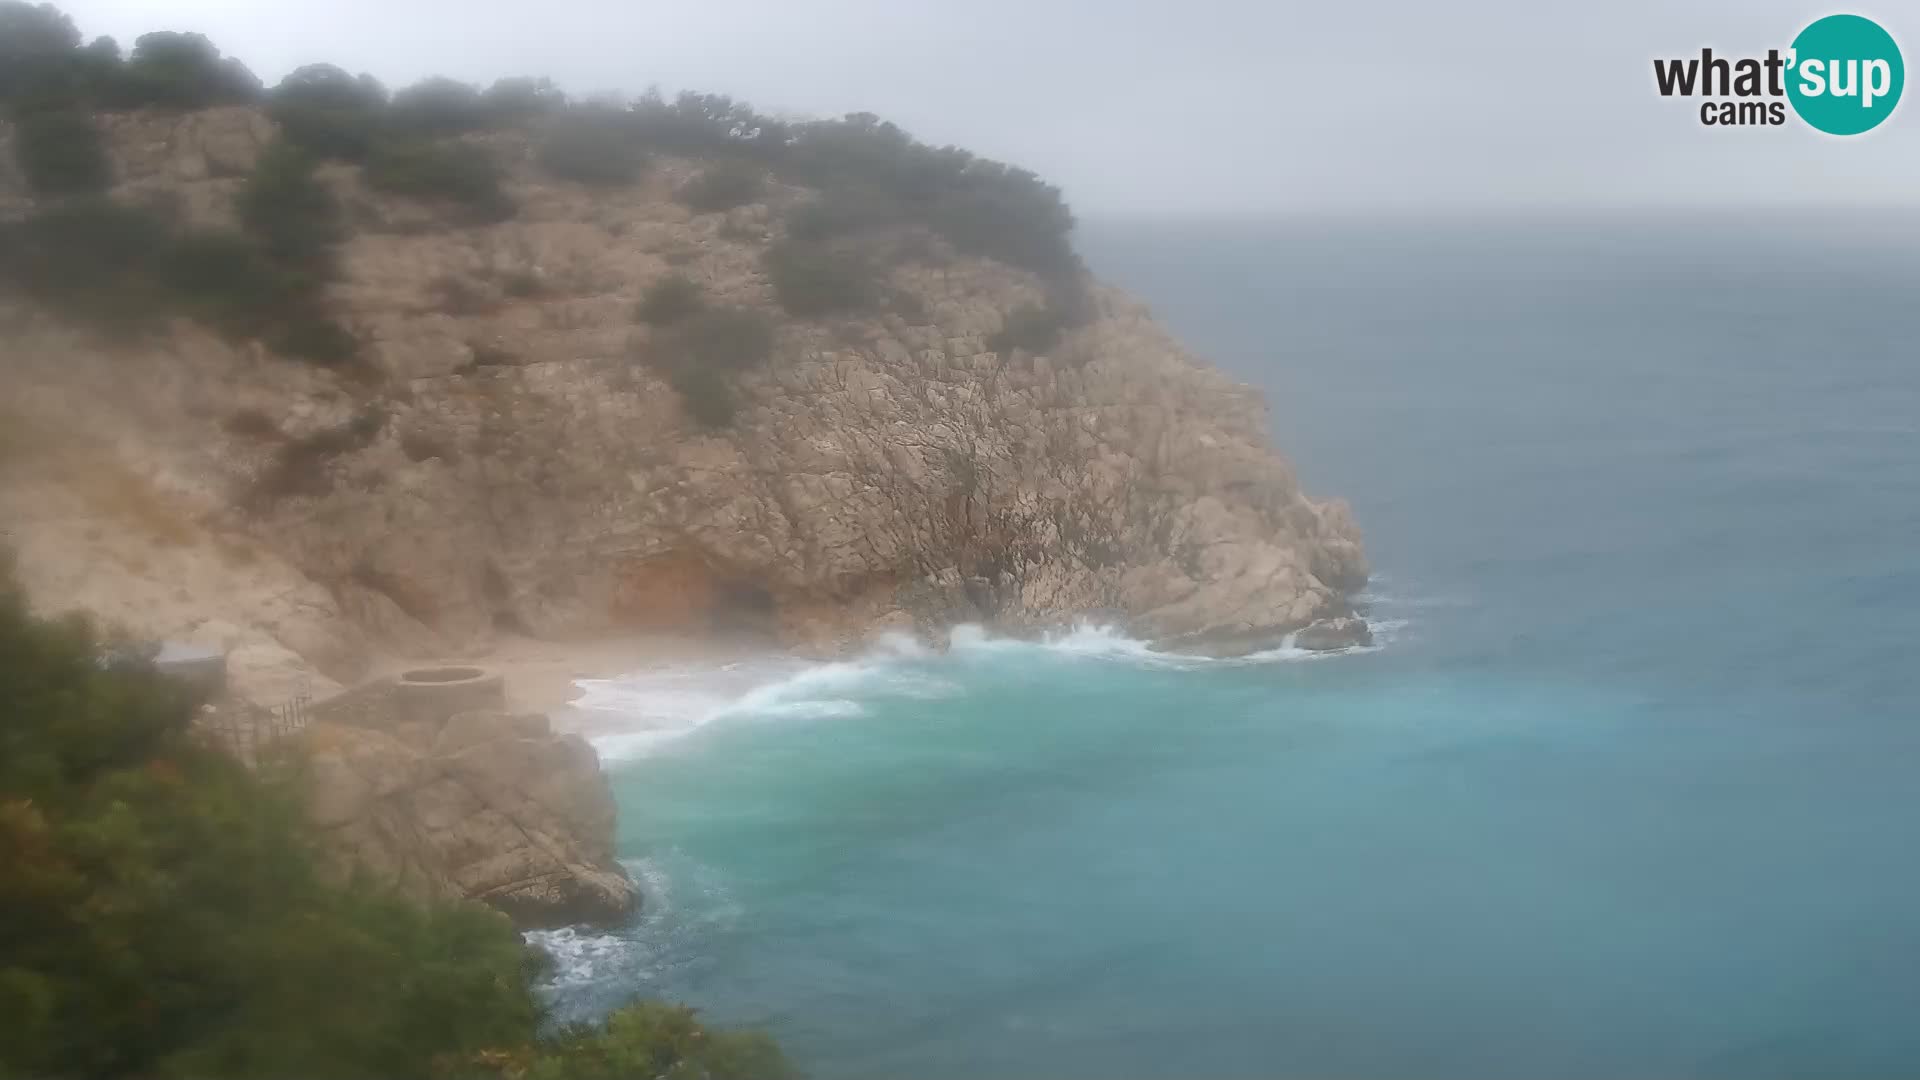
point(577, 406)
point(507, 459)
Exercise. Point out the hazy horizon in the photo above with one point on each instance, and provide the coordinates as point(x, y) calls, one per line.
point(1212, 108)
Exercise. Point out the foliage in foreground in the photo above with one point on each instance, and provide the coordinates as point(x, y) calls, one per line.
point(162, 915)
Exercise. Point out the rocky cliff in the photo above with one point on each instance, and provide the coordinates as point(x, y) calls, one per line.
point(507, 459)
point(429, 789)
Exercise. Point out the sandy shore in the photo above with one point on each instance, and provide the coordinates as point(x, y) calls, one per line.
point(540, 675)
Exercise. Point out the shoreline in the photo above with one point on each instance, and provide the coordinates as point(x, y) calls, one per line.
point(540, 674)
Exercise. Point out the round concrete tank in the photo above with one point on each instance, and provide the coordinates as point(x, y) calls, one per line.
point(432, 695)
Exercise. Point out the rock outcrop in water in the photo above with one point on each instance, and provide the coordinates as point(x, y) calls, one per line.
point(509, 464)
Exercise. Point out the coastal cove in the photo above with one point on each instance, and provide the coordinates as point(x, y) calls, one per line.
point(543, 579)
point(1622, 788)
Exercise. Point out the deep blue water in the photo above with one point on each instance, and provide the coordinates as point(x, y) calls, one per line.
point(1631, 789)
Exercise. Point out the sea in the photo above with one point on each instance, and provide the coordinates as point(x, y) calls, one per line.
point(1629, 784)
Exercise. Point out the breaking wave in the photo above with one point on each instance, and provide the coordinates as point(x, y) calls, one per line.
point(632, 715)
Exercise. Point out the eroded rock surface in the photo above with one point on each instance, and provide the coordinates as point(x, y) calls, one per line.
point(478, 805)
point(517, 463)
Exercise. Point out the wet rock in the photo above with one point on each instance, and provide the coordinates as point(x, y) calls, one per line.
point(1345, 632)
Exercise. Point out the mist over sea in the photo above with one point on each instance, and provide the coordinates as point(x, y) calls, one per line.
point(1629, 787)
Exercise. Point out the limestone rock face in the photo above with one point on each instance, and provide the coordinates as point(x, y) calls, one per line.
point(480, 805)
point(518, 462)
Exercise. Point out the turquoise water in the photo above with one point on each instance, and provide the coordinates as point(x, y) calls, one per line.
point(1629, 788)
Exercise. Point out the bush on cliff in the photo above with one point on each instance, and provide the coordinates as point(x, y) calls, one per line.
point(292, 214)
point(592, 146)
point(163, 914)
point(182, 71)
point(520, 97)
point(60, 153)
point(437, 106)
point(124, 270)
point(329, 113)
point(652, 1039)
point(726, 339)
point(980, 206)
point(454, 172)
point(723, 186)
point(706, 394)
point(701, 353)
point(1033, 327)
point(876, 182)
point(668, 300)
point(813, 279)
point(30, 31)
point(706, 125)
point(37, 46)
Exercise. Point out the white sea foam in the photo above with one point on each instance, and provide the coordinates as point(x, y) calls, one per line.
point(635, 714)
point(582, 957)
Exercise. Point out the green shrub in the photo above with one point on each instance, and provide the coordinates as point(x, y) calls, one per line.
point(833, 215)
point(310, 334)
point(124, 270)
point(814, 279)
point(668, 300)
point(453, 172)
point(223, 274)
point(164, 914)
point(522, 97)
point(38, 48)
point(705, 125)
point(294, 217)
point(723, 187)
point(91, 260)
point(701, 353)
point(30, 30)
point(329, 113)
point(706, 394)
point(1033, 327)
point(654, 1039)
point(983, 207)
point(436, 106)
point(591, 146)
point(61, 153)
point(725, 339)
point(182, 71)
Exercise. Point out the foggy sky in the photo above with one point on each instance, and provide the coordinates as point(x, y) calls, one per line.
point(1166, 106)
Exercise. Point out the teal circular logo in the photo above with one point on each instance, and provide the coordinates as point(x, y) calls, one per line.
point(1845, 75)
